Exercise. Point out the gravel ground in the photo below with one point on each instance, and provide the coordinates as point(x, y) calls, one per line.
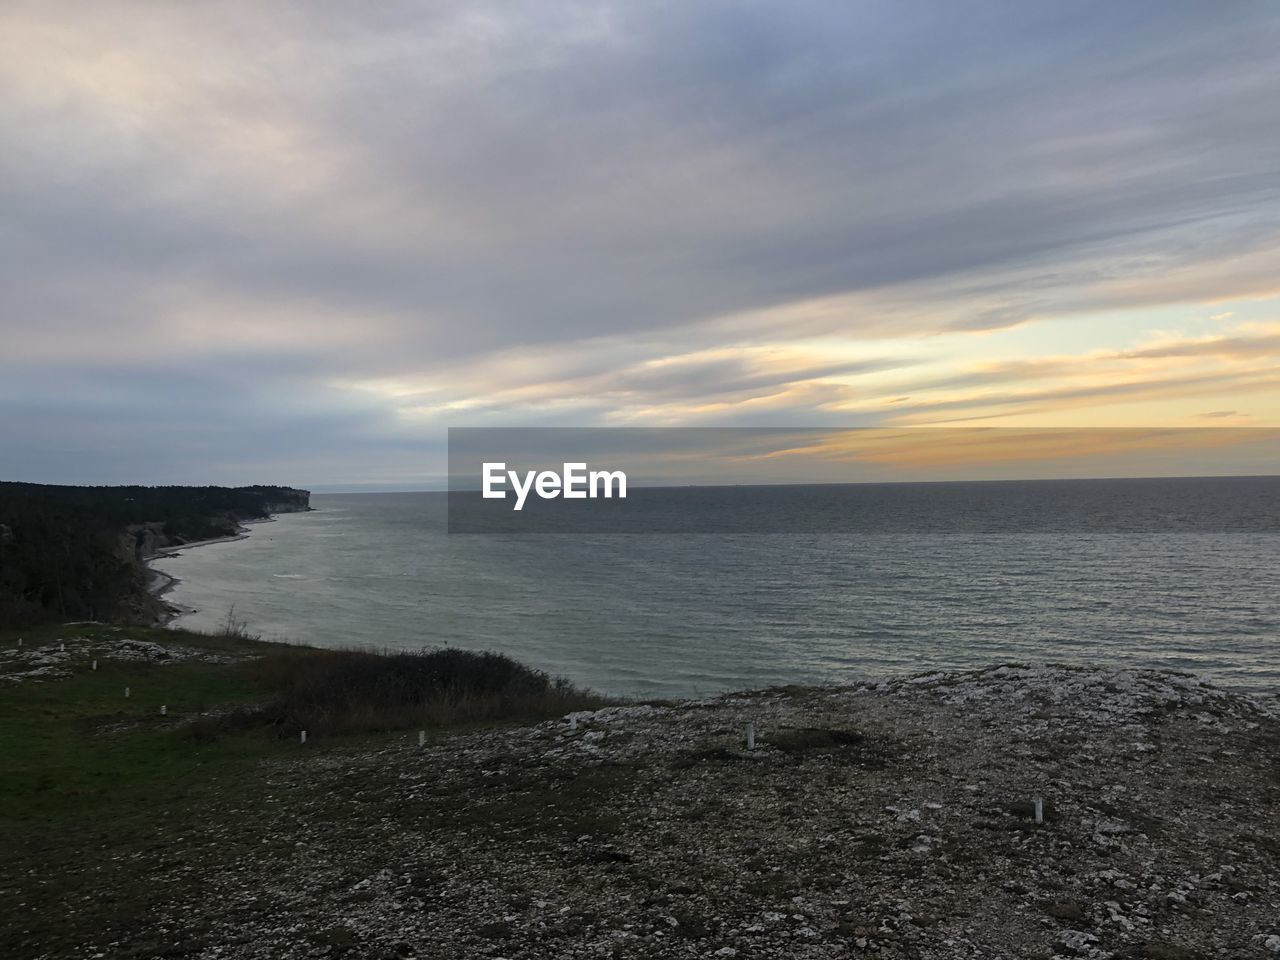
point(890, 820)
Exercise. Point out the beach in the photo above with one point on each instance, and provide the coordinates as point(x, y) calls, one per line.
point(162, 583)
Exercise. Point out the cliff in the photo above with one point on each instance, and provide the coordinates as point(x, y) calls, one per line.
point(79, 552)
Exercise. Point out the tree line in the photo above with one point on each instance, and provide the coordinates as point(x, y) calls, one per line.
point(75, 553)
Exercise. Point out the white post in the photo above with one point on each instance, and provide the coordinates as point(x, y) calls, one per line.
point(1039, 810)
point(751, 736)
point(573, 722)
point(19, 641)
point(304, 736)
point(422, 737)
point(95, 665)
point(164, 710)
point(62, 646)
point(126, 692)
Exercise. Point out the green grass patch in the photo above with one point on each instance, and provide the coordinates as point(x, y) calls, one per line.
point(77, 744)
point(76, 753)
point(108, 808)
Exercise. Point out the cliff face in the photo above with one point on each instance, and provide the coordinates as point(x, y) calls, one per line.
point(149, 539)
point(279, 500)
point(80, 552)
point(156, 536)
point(289, 506)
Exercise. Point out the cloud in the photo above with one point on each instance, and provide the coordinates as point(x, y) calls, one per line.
point(1264, 346)
point(618, 210)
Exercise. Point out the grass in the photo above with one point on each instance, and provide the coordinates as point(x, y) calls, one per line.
point(62, 753)
point(97, 789)
point(100, 795)
point(77, 745)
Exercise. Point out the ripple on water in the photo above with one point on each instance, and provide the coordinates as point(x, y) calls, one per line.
point(669, 616)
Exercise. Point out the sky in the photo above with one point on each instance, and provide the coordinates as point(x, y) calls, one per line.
point(295, 242)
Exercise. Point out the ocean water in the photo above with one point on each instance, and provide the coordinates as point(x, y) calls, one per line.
point(675, 614)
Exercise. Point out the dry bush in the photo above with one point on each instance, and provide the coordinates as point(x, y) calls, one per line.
point(354, 691)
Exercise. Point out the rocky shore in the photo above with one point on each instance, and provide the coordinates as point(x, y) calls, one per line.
point(891, 820)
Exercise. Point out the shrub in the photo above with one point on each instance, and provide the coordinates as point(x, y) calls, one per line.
point(235, 628)
point(353, 691)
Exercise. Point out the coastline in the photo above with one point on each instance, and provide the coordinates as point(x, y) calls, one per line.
point(160, 583)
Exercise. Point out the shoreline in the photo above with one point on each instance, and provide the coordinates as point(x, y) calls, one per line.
point(160, 583)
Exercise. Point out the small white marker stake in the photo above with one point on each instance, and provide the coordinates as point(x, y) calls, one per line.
point(304, 736)
point(126, 692)
point(573, 722)
point(95, 665)
point(164, 710)
point(19, 641)
point(62, 647)
point(422, 737)
point(1039, 810)
point(751, 736)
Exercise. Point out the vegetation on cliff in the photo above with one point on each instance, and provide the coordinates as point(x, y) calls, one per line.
point(76, 552)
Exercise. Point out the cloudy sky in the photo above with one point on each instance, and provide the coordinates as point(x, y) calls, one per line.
point(294, 242)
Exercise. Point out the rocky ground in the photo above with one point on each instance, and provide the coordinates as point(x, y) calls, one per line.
point(891, 820)
point(59, 659)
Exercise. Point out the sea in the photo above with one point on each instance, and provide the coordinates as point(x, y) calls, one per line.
point(681, 612)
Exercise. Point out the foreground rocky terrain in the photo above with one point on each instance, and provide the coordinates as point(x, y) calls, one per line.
point(886, 820)
point(58, 660)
